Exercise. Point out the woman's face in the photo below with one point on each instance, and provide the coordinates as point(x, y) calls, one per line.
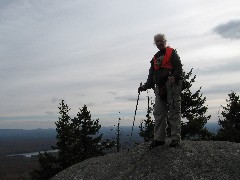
point(160, 43)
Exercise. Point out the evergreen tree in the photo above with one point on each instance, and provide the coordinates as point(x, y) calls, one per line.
point(77, 140)
point(118, 144)
point(86, 142)
point(64, 136)
point(147, 125)
point(230, 120)
point(49, 166)
point(193, 111)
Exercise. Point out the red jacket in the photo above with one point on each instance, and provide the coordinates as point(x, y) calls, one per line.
point(166, 63)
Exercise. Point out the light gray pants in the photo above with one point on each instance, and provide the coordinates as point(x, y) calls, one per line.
point(170, 108)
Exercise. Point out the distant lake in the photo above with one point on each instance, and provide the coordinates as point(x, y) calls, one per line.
point(31, 153)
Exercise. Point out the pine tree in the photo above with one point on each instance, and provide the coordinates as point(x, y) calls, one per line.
point(147, 125)
point(77, 140)
point(230, 120)
point(118, 144)
point(193, 111)
point(49, 166)
point(64, 136)
point(86, 142)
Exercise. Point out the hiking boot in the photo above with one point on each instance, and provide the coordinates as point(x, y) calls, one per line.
point(156, 143)
point(174, 143)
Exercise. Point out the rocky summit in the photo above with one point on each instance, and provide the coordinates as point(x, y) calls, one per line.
point(191, 160)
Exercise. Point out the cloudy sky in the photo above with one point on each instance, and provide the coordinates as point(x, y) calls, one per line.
point(97, 52)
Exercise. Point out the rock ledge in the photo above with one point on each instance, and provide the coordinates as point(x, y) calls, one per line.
point(191, 160)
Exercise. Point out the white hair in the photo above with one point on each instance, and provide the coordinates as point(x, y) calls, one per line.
point(162, 36)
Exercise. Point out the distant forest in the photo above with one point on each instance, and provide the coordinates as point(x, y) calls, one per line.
point(16, 141)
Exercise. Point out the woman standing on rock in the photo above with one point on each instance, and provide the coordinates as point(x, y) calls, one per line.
point(165, 76)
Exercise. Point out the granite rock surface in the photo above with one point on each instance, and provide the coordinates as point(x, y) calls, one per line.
point(192, 160)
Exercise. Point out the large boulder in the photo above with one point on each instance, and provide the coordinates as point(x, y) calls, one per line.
point(191, 160)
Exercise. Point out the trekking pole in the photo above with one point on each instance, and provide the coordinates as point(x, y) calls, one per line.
point(134, 118)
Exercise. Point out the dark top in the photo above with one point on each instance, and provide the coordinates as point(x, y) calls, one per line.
point(160, 76)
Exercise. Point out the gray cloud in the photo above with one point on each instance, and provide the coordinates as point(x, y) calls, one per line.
point(230, 29)
point(229, 66)
point(90, 104)
point(81, 94)
point(222, 89)
point(49, 112)
point(112, 92)
point(127, 98)
point(54, 100)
